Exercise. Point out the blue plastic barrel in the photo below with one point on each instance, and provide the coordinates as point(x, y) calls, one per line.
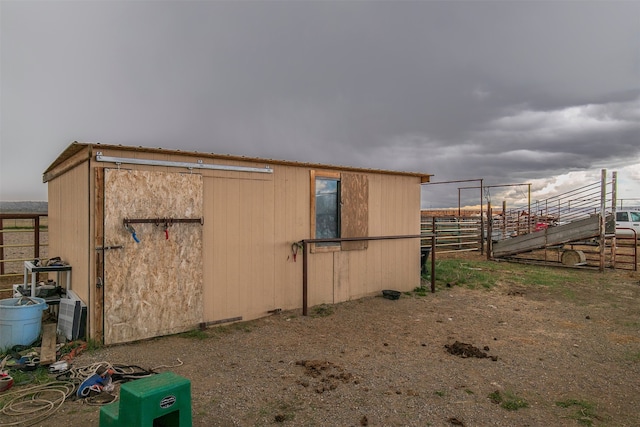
point(20, 324)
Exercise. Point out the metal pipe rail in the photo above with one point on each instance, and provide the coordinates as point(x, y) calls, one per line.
point(305, 243)
point(463, 234)
point(168, 221)
point(35, 229)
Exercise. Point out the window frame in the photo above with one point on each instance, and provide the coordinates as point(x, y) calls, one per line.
point(622, 216)
point(329, 247)
point(353, 210)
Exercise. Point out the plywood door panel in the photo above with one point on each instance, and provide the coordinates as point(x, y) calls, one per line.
point(354, 214)
point(153, 287)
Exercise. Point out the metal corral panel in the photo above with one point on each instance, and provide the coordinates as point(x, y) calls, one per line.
point(577, 230)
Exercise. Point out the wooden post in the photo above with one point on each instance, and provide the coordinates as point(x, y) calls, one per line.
point(98, 299)
point(48, 347)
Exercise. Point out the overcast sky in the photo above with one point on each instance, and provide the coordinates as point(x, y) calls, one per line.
point(539, 92)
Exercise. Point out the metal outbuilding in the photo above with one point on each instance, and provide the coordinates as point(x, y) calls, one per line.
point(163, 241)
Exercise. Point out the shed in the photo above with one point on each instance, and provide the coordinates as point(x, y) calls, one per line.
point(163, 241)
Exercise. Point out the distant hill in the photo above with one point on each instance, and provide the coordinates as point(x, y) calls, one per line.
point(23, 207)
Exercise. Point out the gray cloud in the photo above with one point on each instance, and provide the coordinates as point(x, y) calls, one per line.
point(504, 91)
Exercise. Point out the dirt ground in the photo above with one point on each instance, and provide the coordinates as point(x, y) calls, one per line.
point(513, 355)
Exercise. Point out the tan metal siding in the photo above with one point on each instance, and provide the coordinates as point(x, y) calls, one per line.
point(239, 248)
point(68, 197)
point(321, 278)
point(250, 223)
point(291, 219)
point(394, 210)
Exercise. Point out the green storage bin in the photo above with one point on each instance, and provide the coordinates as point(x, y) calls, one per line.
point(159, 400)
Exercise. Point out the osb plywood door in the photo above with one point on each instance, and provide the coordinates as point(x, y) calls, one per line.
point(153, 287)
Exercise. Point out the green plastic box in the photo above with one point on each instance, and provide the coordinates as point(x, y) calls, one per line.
point(162, 400)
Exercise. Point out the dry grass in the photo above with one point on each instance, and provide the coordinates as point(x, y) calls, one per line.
point(564, 341)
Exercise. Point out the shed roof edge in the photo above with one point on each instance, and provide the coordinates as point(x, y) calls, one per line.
point(76, 146)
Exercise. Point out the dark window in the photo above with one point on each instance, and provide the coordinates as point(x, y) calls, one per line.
point(339, 209)
point(327, 209)
point(622, 216)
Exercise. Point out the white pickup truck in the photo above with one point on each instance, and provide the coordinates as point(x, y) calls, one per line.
point(627, 220)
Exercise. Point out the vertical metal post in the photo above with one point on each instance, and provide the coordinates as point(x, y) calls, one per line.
point(1, 246)
point(614, 195)
point(433, 225)
point(603, 197)
point(481, 218)
point(489, 229)
point(559, 209)
point(546, 207)
point(504, 219)
point(458, 202)
point(36, 237)
point(433, 261)
point(304, 278)
point(529, 213)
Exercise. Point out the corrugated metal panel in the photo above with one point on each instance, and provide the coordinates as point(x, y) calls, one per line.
point(69, 224)
point(239, 248)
